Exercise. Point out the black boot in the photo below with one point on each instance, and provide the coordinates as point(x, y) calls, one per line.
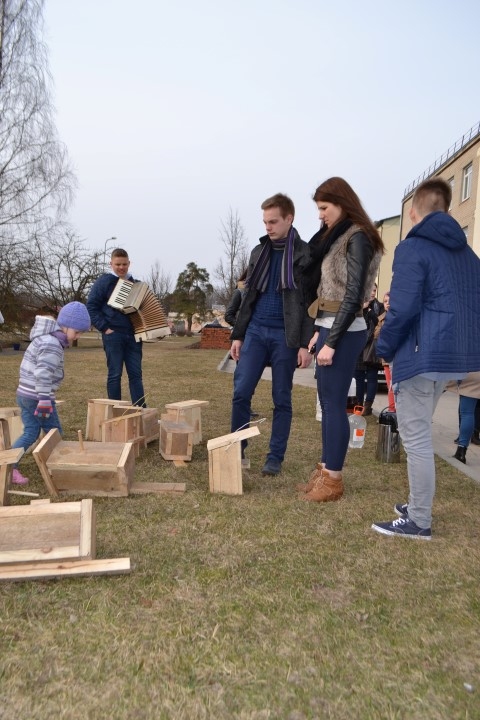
point(460, 454)
point(475, 438)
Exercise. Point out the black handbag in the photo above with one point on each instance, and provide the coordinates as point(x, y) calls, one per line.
point(370, 354)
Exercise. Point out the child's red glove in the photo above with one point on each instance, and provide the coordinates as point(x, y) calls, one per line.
point(44, 408)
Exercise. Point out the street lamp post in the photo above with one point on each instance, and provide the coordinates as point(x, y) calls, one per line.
point(105, 249)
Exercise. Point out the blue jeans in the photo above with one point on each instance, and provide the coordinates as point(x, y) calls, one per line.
point(333, 383)
point(264, 345)
point(467, 407)
point(416, 400)
point(122, 348)
point(34, 424)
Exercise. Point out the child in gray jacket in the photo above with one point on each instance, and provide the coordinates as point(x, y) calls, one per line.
point(41, 372)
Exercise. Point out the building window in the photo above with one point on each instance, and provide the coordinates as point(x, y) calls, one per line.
point(467, 182)
point(451, 182)
point(465, 230)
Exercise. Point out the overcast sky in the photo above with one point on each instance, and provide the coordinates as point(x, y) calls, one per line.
point(173, 112)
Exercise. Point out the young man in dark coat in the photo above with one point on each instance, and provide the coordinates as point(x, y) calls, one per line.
point(272, 326)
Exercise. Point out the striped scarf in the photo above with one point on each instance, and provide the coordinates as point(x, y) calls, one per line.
point(259, 276)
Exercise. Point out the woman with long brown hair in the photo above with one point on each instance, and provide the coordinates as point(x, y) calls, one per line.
point(345, 256)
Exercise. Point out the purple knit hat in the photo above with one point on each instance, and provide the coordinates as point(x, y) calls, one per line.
point(74, 315)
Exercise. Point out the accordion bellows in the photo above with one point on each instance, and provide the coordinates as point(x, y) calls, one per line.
point(143, 307)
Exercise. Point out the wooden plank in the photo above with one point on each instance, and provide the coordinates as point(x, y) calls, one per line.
point(142, 488)
point(10, 456)
point(151, 429)
point(72, 568)
point(42, 535)
point(65, 552)
point(98, 483)
point(233, 437)
point(182, 404)
point(4, 434)
point(24, 493)
point(87, 547)
point(126, 466)
point(38, 508)
point(41, 454)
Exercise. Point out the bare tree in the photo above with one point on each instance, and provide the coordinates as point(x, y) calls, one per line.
point(36, 182)
point(235, 259)
point(159, 282)
point(62, 269)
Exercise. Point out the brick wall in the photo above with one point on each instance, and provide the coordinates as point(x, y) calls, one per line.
point(217, 338)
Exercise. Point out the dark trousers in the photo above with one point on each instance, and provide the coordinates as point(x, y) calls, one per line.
point(263, 346)
point(366, 381)
point(121, 348)
point(333, 383)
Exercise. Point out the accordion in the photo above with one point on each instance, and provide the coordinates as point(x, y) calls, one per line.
point(139, 302)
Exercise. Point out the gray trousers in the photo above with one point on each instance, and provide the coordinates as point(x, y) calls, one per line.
point(416, 400)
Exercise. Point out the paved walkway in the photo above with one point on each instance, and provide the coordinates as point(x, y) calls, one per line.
point(444, 426)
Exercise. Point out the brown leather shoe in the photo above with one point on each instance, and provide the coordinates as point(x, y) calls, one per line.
point(306, 487)
point(325, 489)
point(367, 408)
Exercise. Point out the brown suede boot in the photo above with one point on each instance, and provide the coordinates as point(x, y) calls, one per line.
point(367, 408)
point(306, 487)
point(325, 488)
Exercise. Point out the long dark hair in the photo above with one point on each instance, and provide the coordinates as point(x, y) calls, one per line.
point(336, 190)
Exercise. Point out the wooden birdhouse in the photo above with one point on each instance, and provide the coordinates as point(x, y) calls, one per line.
point(188, 411)
point(225, 461)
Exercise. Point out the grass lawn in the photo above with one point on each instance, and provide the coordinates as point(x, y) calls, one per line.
point(257, 607)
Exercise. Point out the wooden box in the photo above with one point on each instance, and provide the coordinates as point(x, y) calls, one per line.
point(188, 411)
point(44, 540)
point(98, 411)
point(225, 461)
point(45, 531)
point(126, 428)
point(150, 429)
point(176, 440)
point(99, 469)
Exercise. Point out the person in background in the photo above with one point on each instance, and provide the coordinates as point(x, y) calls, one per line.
point(345, 257)
point(236, 300)
point(475, 440)
point(431, 335)
point(272, 325)
point(118, 336)
point(230, 316)
point(469, 392)
point(386, 366)
point(41, 372)
point(366, 373)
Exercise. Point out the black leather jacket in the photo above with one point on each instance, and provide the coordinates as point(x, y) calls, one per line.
point(298, 325)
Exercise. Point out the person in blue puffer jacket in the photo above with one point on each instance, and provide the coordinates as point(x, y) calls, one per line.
point(430, 335)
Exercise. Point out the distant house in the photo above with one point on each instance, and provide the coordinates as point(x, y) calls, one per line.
point(459, 166)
